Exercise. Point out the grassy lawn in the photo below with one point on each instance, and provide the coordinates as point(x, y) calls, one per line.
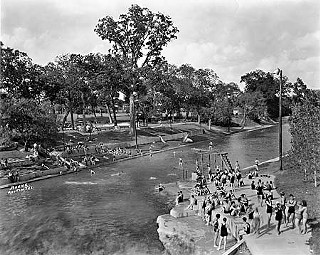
point(291, 181)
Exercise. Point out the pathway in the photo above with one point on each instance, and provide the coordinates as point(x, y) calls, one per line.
point(269, 242)
point(186, 222)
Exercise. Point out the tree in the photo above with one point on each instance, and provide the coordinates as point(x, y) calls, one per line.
point(253, 105)
point(138, 37)
point(30, 122)
point(305, 132)
point(268, 86)
point(74, 82)
point(110, 78)
point(19, 76)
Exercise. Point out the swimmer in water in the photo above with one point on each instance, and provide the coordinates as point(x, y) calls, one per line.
point(92, 172)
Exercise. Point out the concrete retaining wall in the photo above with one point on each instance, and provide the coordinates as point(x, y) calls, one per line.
point(35, 174)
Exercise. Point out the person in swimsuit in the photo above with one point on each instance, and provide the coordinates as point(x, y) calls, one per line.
point(291, 210)
point(245, 230)
point(232, 179)
point(223, 233)
point(279, 216)
point(216, 229)
point(298, 216)
point(304, 217)
point(283, 202)
point(259, 189)
point(256, 222)
point(269, 210)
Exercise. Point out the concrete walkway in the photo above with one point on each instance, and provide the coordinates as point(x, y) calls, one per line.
point(289, 242)
point(185, 222)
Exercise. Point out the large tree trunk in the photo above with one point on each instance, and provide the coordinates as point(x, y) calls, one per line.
point(244, 119)
point(187, 114)
point(132, 115)
point(26, 145)
point(109, 113)
point(115, 122)
point(84, 124)
point(71, 109)
point(65, 118)
point(53, 108)
point(94, 114)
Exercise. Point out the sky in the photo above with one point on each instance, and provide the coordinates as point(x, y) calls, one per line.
point(232, 37)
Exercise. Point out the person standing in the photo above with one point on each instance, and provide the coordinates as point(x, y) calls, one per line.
point(259, 189)
point(291, 204)
point(269, 210)
point(245, 230)
point(279, 216)
point(283, 201)
point(304, 217)
point(210, 173)
point(193, 203)
point(256, 222)
point(232, 180)
point(237, 166)
point(223, 234)
point(216, 230)
point(298, 216)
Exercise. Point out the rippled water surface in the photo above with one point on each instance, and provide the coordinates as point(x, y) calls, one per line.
point(107, 213)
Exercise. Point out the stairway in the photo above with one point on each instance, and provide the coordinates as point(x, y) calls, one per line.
point(225, 159)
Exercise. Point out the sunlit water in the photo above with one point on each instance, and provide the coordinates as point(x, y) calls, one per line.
point(107, 213)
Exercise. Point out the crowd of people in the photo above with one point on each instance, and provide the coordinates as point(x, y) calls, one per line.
point(283, 211)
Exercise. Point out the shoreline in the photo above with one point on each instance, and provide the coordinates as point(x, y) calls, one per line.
point(205, 137)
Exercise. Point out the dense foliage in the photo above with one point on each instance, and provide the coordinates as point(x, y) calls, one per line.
point(305, 131)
